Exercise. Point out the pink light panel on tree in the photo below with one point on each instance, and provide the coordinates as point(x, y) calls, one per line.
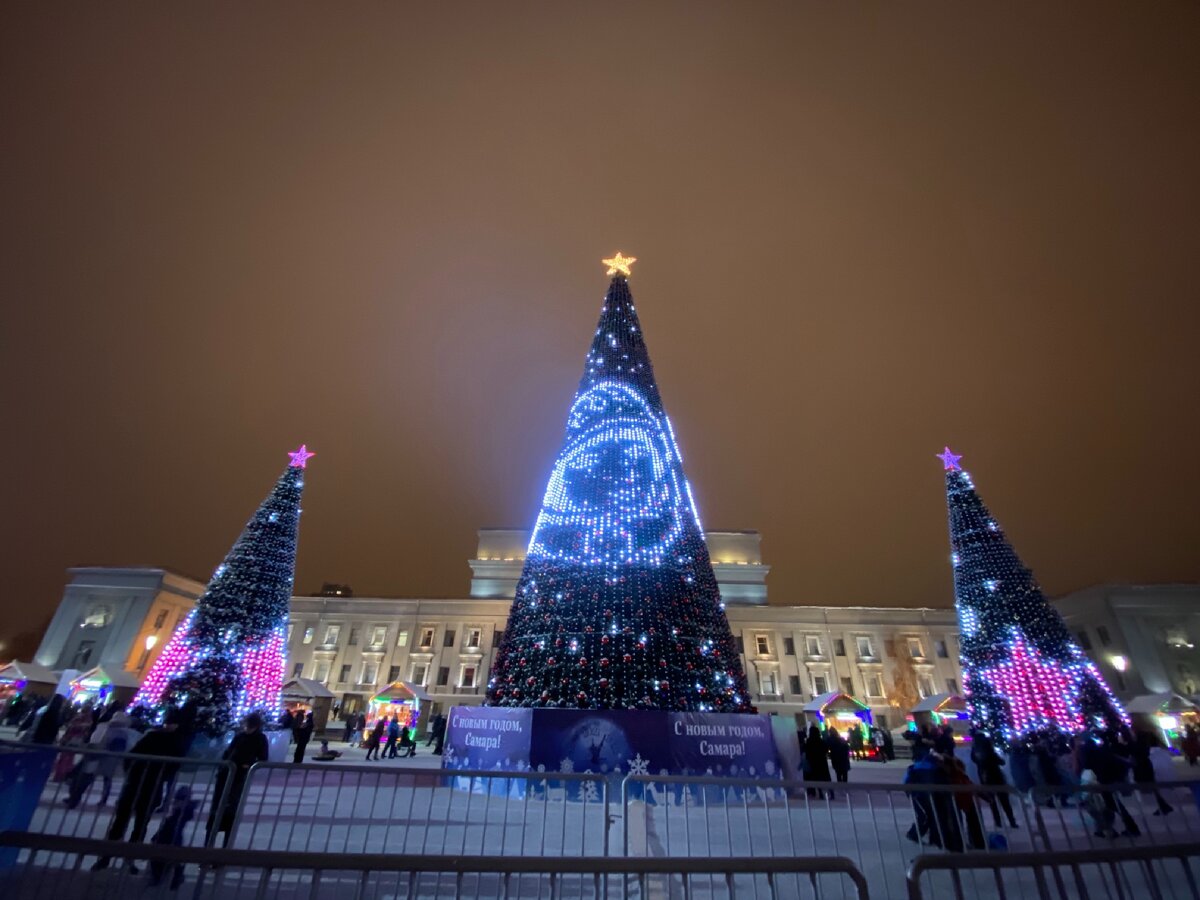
point(1040, 693)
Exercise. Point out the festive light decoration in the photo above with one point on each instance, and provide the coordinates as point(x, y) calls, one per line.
point(227, 656)
point(301, 457)
point(617, 605)
point(619, 265)
point(949, 459)
point(1022, 671)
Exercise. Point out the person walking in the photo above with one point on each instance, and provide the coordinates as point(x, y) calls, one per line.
point(437, 727)
point(990, 765)
point(48, 720)
point(1144, 743)
point(350, 719)
point(816, 760)
point(839, 754)
point(113, 736)
point(855, 743)
point(143, 782)
point(936, 819)
point(74, 735)
point(1191, 744)
point(1110, 770)
point(180, 811)
point(302, 733)
point(249, 746)
point(964, 799)
point(375, 737)
point(393, 736)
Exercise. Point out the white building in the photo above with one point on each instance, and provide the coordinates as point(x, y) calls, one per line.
point(888, 658)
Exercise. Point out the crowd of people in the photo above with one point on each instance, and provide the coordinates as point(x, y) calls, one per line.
point(1051, 768)
point(389, 737)
point(143, 753)
point(826, 751)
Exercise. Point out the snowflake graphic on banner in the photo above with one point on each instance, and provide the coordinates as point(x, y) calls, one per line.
point(567, 765)
point(639, 766)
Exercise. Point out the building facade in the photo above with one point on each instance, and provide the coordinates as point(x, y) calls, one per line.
point(887, 658)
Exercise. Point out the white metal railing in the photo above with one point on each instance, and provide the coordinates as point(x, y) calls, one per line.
point(101, 788)
point(262, 875)
point(1160, 872)
point(882, 827)
point(365, 808)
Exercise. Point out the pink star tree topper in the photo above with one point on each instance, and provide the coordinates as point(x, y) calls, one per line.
point(300, 457)
point(949, 459)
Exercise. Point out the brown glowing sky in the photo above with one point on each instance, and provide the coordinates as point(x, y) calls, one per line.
point(863, 232)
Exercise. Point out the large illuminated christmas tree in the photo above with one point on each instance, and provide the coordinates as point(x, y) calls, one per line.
point(227, 656)
point(1022, 671)
point(617, 606)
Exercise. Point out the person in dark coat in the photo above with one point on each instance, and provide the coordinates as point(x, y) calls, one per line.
point(351, 718)
point(839, 754)
point(249, 746)
point(1111, 770)
point(49, 720)
point(856, 743)
point(393, 737)
point(302, 733)
point(937, 818)
point(1143, 769)
point(943, 741)
point(965, 801)
point(180, 811)
point(816, 758)
point(144, 780)
point(375, 737)
point(990, 765)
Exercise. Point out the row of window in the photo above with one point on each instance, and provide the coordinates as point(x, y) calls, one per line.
point(377, 636)
point(863, 644)
point(768, 683)
point(468, 673)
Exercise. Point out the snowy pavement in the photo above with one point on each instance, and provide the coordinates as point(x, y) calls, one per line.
point(408, 806)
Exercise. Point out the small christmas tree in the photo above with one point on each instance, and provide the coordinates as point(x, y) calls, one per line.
point(617, 606)
point(227, 657)
point(1022, 671)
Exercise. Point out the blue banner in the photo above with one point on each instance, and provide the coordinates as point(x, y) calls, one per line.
point(730, 744)
point(611, 742)
point(488, 737)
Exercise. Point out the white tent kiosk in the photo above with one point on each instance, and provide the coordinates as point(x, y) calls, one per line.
point(304, 695)
point(26, 678)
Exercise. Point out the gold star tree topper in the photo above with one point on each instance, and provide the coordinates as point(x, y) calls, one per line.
point(619, 263)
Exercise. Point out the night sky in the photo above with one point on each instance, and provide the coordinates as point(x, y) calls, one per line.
point(863, 232)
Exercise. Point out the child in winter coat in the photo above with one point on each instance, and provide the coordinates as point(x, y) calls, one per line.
point(170, 831)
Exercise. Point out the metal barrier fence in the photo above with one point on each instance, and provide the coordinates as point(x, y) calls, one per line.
point(356, 808)
point(104, 792)
point(883, 827)
point(1117, 871)
point(272, 875)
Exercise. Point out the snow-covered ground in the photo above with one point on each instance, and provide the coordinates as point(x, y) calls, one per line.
point(408, 806)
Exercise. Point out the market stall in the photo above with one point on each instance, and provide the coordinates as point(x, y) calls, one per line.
point(943, 709)
point(839, 711)
point(26, 678)
point(303, 695)
point(1169, 714)
point(400, 699)
point(101, 685)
